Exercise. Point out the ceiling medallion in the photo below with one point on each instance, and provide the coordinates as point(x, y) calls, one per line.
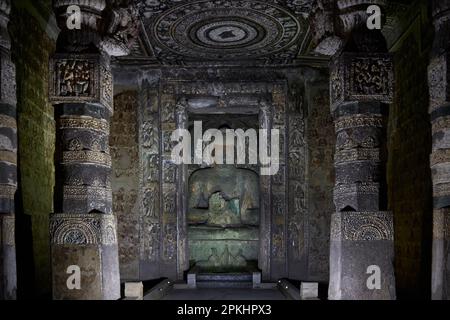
point(225, 30)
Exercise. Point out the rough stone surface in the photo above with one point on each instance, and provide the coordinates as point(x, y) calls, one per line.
point(408, 164)
point(321, 143)
point(125, 181)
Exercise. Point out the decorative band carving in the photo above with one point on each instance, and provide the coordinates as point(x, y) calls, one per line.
point(100, 158)
point(357, 155)
point(441, 124)
point(83, 229)
point(7, 191)
point(362, 188)
point(7, 122)
point(84, 123)
point(440, 156)
point(8, 156)
point(362, 226)
point(359, 121)
point(86, 192)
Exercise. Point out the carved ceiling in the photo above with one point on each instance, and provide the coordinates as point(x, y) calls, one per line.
point(222, 32)
point(179, 32)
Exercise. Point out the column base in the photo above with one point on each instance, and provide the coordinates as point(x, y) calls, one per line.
point(362, 256)
point(88, 243)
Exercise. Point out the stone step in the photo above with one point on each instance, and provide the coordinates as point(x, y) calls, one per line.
point(224, 284)
point(225, 277)
point(224, 280)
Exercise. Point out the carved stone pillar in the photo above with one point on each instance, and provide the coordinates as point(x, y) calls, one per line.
point(439, 84)
point(8, 160)
point(361, 233)
point(83, 229)
point(181, 122)
point(264, 260)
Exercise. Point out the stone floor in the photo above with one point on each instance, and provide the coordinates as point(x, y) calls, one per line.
point(225, 294)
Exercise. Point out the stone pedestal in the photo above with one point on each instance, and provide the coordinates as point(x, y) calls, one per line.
point(360, 243)
point(89, 242)
point(361, 235)
point(8, 160)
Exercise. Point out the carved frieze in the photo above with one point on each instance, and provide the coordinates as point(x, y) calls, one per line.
point(354, 121)
point(170, 242)
point(357, 155)
point(368, 77)
point(150, 204)
point(150, 134)
point(150, 240)
point(83, 122)
point(278, 242)
point(83, 229)
point(87, 192)
point(80, 78)
point(296, 238)
point(169, 172)
point(362, 226)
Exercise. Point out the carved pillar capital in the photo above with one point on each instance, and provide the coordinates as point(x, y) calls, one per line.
point(108, 26)
point(322, 23)
point(81, 78)
point(361, 77)
point(121, 28)
point(80, 30)
point(335, 23)
point(353, 14)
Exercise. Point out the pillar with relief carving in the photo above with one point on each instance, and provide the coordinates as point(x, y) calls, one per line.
point(8, 160)
point(439, 86)
point(362, 235)
point(83, 227)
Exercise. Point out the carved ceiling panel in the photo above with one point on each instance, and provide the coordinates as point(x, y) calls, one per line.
point(178, 32)
point(258, 32)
